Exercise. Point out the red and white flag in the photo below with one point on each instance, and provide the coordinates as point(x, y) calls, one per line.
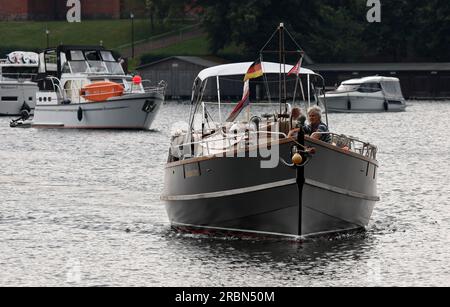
point(245, 102)
point(297, 68)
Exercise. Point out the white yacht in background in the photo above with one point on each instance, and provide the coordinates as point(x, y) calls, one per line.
point(370, 94)
point(17, 89)
point(84, 87)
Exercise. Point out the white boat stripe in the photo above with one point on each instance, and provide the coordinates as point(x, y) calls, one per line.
point(268, 186)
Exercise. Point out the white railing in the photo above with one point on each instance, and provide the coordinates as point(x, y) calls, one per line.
point(351, 144)
point(243, 141)
point(74, 93)
point(159, 88)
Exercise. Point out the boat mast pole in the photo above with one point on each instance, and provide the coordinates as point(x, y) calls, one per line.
point(284, 74)
point(220, 102)
point(280, 48)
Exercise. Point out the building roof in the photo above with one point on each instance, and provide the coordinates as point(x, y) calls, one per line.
point(381, 67)
point(190, 59)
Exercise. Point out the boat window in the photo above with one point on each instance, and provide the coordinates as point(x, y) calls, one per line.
point(370, 88)
point(51, 61)
point(19, 72)
point(392, 89)
point(348, 88)
point(92, 56)
point(76, 55)
point(78, 67)
point(8, 98)
point(114, 68)
point(97, 67)
point(107, 56)
point(66, 68)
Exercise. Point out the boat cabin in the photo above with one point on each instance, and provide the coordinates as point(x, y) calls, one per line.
point(19, 66)
point(67, 70)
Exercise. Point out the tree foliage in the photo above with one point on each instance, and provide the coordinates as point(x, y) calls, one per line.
point(335, 30)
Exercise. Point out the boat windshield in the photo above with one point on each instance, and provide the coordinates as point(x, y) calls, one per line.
point(93, 67)
point(348, 88)
point(92, 62)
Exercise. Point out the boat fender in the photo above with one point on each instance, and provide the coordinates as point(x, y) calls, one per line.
point(297, 159)
point(66, 101)
point(149, 106)
point(386, 105)
point(349, 105)
point(80, 114)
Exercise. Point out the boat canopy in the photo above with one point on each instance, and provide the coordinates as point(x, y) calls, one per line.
point(242, 68)
point(375, 79)
point(21, 59)
point(391, 86)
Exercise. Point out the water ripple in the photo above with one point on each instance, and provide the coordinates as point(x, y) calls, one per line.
point(83, 208)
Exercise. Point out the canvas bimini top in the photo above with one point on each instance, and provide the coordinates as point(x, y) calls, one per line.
point(242, 68)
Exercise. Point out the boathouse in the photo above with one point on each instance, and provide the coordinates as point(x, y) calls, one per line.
point(178, 71)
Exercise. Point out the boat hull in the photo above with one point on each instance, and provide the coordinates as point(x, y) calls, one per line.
point(363, 104)
point(236, 194)
point(136, 112)
point(13, 95)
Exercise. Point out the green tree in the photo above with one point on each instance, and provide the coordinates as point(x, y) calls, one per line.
point(335, 30)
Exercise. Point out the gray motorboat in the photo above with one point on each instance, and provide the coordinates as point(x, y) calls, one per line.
point(237, 176)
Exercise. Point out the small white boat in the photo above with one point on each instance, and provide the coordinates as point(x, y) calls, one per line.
point(371, 94)
point(17, 89)
point(86, 88)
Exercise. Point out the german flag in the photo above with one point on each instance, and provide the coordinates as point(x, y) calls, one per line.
point(255, 71)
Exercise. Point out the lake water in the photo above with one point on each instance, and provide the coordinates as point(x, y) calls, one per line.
point(82, 208)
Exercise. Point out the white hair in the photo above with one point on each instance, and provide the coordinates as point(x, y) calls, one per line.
point(316, 110)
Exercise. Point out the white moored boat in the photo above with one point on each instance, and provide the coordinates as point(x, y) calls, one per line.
point(86, 88)
point(371, 94)
point(17, 89)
